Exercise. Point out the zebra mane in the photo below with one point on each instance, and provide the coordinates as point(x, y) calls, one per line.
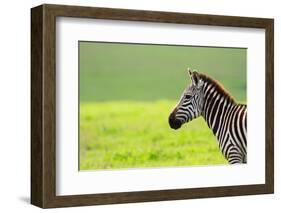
point(218, 86)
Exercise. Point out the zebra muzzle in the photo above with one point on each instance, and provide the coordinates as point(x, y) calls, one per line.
point(174, 122)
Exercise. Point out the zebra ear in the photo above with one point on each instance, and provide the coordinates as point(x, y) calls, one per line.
point(200, 83)
point(194, 76)
point(190, 72)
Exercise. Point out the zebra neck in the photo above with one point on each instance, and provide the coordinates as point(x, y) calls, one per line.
point(215, 108)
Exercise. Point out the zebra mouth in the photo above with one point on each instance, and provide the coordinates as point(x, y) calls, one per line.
point(174, 123)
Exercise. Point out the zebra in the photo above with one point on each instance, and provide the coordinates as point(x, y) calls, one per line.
point(225, 117)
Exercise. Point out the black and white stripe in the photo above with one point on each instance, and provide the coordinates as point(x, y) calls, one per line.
point(227, 119)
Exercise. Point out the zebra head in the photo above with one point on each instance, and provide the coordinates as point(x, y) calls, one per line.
point(190, 104)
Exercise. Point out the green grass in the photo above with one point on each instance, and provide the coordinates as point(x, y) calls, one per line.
point(137, 135)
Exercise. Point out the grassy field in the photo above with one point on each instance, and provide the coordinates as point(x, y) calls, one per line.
point(127, 93)
point(137, 134)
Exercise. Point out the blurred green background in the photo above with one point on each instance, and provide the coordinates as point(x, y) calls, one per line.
point(127, 92)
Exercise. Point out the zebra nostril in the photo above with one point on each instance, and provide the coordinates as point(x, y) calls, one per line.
point(173, 122)
point(171, 118)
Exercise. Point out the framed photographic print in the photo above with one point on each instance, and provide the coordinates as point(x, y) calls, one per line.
point(136, 106)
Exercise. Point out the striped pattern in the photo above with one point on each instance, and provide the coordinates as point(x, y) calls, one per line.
point(227, 119)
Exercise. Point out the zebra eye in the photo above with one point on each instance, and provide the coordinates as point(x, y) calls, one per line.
point(187, 96)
